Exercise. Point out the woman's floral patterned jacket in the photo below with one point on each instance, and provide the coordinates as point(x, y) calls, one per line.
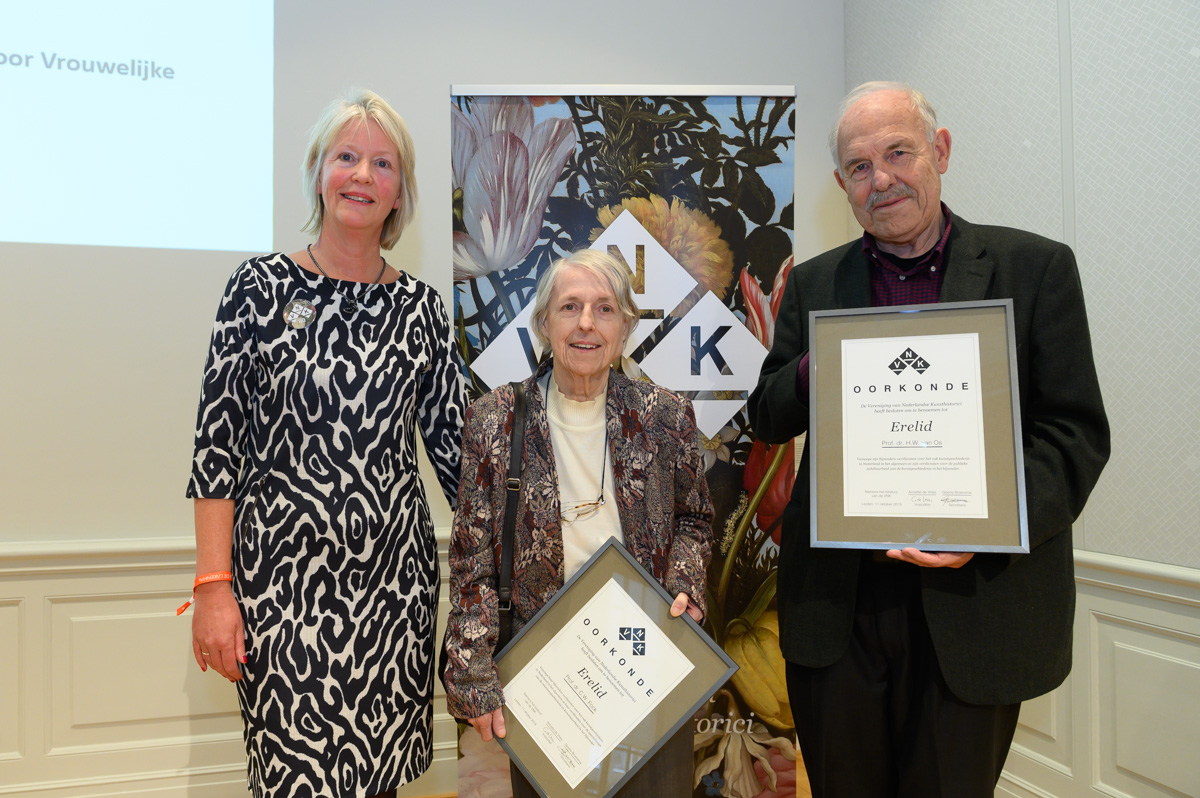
point(662, 498)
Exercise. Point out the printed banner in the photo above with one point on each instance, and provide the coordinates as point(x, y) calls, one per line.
point(695, 194)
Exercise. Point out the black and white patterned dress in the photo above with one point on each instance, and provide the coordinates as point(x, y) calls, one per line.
point(310, 429)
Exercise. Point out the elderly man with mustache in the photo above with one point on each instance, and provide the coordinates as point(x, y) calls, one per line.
point(906, 668)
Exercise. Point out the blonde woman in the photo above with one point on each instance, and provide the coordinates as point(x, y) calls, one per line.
point(315, 556)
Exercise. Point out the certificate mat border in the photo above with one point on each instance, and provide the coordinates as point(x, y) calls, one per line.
point(713, 667)
point(1004, 464)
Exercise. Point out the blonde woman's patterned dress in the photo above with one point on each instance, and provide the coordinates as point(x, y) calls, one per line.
point(308, 421)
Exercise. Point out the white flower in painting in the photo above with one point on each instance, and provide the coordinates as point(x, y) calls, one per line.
point(714, 448)
point(505, 167)
point(741, 744)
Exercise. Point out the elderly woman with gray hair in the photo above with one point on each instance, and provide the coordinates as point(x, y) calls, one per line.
point(604, 456)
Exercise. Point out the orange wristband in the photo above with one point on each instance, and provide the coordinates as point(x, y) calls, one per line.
point(215, 576)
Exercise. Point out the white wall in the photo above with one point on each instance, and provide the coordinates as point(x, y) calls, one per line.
point(103, 351)
point(103, 348)
point(1077, 119)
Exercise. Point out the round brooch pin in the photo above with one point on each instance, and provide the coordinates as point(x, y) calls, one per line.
point(299, 313)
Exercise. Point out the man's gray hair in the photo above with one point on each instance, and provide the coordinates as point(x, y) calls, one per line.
point(919, 103)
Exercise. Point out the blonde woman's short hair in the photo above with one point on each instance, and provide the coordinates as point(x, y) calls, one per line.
point(360, 106)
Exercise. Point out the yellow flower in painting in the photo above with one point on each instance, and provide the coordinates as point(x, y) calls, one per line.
point(760, 676)
point(691, 238)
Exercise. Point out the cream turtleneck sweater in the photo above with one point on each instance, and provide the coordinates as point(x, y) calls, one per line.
point(577, 435)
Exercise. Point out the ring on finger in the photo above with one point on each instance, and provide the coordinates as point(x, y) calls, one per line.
point(205, 653)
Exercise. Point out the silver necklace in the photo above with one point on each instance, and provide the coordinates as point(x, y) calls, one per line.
point(349, 303)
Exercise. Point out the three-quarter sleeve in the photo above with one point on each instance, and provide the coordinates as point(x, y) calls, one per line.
point(225, 395)
point(441, 402)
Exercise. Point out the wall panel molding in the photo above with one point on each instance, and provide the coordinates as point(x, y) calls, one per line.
point(1158, 692)
point(99, 693)
point(1152, 580)
point(210, 782)
point(11, 678)
point(1125, 720)
point(128, 554)
point(1045, 731)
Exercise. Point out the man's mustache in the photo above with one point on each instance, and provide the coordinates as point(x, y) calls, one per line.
point(895, 192)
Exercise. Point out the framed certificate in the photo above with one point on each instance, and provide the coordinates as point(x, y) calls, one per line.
point(915, 428)
point(601, 677)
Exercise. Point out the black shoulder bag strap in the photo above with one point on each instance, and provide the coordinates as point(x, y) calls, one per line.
point(513, 486)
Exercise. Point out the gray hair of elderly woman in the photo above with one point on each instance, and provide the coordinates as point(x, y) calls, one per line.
point(614, 272)
point(359, 107)
point(921, 105)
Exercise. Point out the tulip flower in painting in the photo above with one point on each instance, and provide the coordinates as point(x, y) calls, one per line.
point(762, 309)
point(504, 168)
point(770, 509)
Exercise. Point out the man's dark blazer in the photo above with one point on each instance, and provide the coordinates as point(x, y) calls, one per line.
point(1001, 624)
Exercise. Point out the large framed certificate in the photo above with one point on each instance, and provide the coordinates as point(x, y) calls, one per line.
point(915, 428)
point(601, 677)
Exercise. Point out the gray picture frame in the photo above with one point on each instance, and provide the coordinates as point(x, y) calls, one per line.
point(1006, 529)
point(712, 667)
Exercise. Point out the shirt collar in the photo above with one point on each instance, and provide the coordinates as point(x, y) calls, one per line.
point(873, 252)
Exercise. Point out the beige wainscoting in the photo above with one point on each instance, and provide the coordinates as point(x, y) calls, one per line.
point(99, 694)
point(1126, 722)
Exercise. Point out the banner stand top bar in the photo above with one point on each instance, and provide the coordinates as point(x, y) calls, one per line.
point(621, 89)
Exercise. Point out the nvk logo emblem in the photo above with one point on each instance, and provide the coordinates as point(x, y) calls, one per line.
point(299, 313)
point(637, 636)
point(909, 359)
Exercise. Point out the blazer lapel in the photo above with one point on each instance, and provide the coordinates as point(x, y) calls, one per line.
point(542, 499)
point(852, 279)
point(969, 272)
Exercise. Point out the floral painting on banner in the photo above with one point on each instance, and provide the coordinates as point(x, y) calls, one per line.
point(695, 194)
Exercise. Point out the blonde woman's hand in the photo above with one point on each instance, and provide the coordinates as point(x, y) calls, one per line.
point(218, 636)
